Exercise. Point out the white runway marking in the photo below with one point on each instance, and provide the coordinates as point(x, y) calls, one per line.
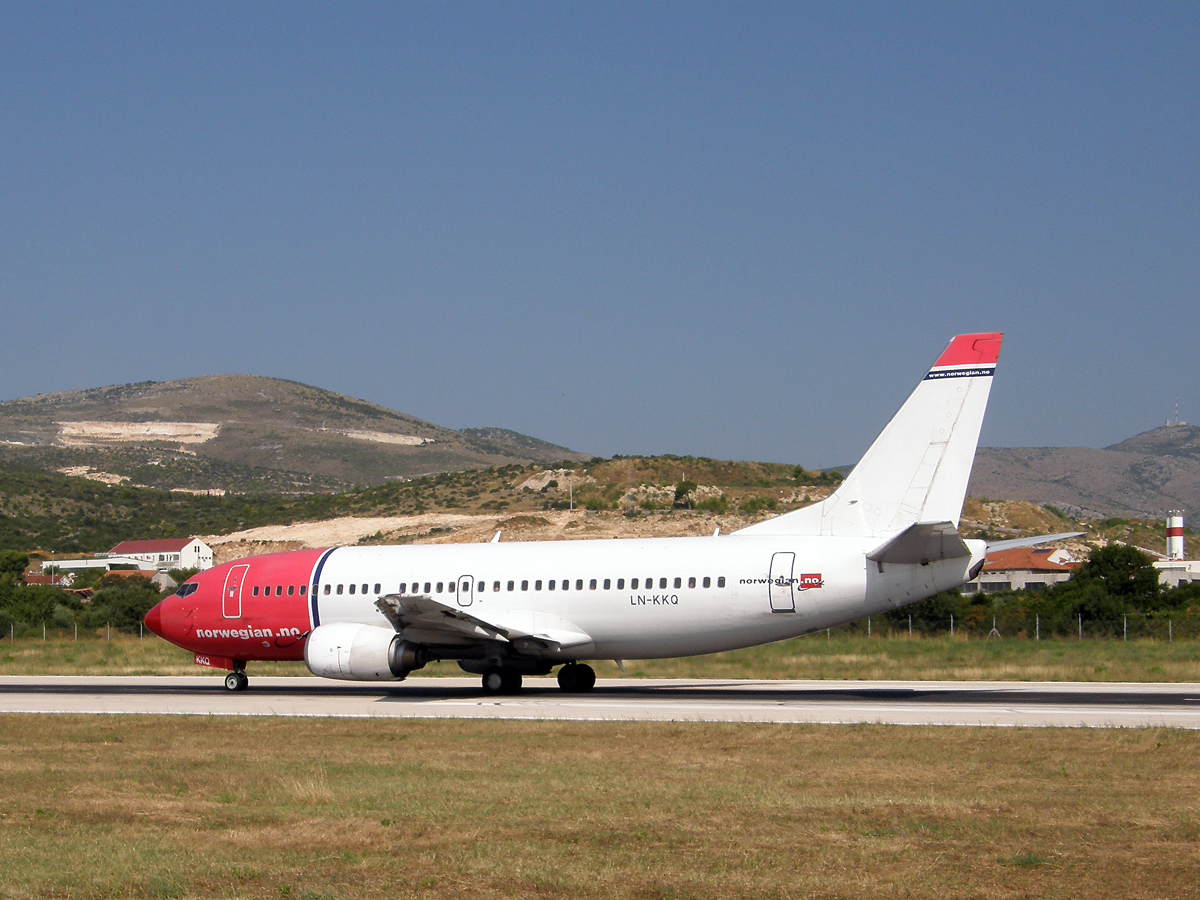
point(627, 700)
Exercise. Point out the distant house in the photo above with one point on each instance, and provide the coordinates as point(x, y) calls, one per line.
point(1026, 568)
point(173, 553)
point(61, 580)
point(1174, 572)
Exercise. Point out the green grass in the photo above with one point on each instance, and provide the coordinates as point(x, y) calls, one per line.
point(841, 656)
point(185, 807)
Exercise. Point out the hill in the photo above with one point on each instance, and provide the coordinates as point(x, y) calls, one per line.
point(1141, 477)
point(244, 433)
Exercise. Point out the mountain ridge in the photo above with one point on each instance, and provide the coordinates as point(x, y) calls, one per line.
point(1143, 476)
point(242, 432)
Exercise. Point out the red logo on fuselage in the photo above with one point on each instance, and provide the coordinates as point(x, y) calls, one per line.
point(810, 581)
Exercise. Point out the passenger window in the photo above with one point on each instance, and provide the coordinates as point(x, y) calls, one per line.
point(524, 585)
point(721, 581)
point(351, 588)
point(608, 584)
point(439, 586)
point(327, 590)
point(483, 587)
point(291, 590)
point(620, 584)
point(662, 583)
point(537, 585)
point(377, 589)
point(303, 589)
point(279, 590)
point(403, 585)
point(255, 591)
point(339, 590)
point(678, 582)
point(510, 585)
point(579, 584)
point(496, 587)
point(707, 581)
point(550, 586)
point(633, 583)
point(692, 581)
point(427, 587)
point(592, 585)
point(450, 587)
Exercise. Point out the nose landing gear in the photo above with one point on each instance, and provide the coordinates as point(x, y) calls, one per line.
point(237, 680)
point(576, 678)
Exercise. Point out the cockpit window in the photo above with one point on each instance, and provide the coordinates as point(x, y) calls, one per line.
point(187, 589)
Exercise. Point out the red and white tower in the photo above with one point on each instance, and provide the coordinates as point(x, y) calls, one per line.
point(1175, 534)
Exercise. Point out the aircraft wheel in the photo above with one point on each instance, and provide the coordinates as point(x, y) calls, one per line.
point(567, 677)
point(236, 681)
point(494, 681)
point(576, 678)
point(512, 681)
point(586, 679)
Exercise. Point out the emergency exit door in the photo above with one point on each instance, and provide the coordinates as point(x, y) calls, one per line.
point(466, 590)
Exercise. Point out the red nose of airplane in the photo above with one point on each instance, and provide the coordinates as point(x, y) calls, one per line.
point(153, 619)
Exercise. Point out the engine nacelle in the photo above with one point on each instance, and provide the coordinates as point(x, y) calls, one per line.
point(355, 652)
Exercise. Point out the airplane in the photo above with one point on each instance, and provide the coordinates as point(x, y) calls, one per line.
point(888, 536)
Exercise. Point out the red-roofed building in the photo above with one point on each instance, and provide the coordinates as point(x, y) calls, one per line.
point(1025, 568)
point(173, 553)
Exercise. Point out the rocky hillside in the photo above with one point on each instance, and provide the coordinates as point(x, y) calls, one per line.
point(1142, 477)
point(244, 433)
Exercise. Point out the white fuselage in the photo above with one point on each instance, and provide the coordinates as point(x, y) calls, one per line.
point(759, 588)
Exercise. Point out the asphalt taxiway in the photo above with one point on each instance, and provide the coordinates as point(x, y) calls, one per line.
point(626, 699)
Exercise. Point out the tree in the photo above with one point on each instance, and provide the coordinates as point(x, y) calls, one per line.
point(13, 563)
point(682, 489)
point(1124, 573)
point(122, 603)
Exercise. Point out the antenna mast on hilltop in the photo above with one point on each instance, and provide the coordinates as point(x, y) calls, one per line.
point(1176, 422)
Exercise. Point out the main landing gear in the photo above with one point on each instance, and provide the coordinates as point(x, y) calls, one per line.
point(576, 678)
point(497, 680)
point(237, 680)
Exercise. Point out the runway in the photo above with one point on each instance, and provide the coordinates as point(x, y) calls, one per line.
point(1094, 705)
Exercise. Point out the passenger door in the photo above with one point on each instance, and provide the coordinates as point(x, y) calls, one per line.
point(231, 598)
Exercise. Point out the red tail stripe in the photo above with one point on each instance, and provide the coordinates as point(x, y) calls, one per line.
point(972, 350)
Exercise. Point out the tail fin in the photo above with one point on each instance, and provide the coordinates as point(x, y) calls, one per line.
point(917, 469)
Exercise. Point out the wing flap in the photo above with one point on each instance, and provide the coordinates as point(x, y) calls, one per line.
point(533, 633)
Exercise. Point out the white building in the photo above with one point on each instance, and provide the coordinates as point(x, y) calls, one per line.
point(1174, 570)
point(173, 553)
point(1025, 568)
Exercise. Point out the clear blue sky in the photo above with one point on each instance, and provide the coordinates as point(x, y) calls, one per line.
point(738, 230)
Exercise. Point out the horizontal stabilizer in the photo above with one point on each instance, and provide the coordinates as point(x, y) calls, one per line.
point(1016, 543)
point(922, 543)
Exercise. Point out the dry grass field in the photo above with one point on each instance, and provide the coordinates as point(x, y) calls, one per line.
point(841, 656)
point(314, 809)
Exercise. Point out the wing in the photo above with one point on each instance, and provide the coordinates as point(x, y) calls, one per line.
point(428, 621)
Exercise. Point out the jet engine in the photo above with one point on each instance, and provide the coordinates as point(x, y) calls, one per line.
point(355, 652)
